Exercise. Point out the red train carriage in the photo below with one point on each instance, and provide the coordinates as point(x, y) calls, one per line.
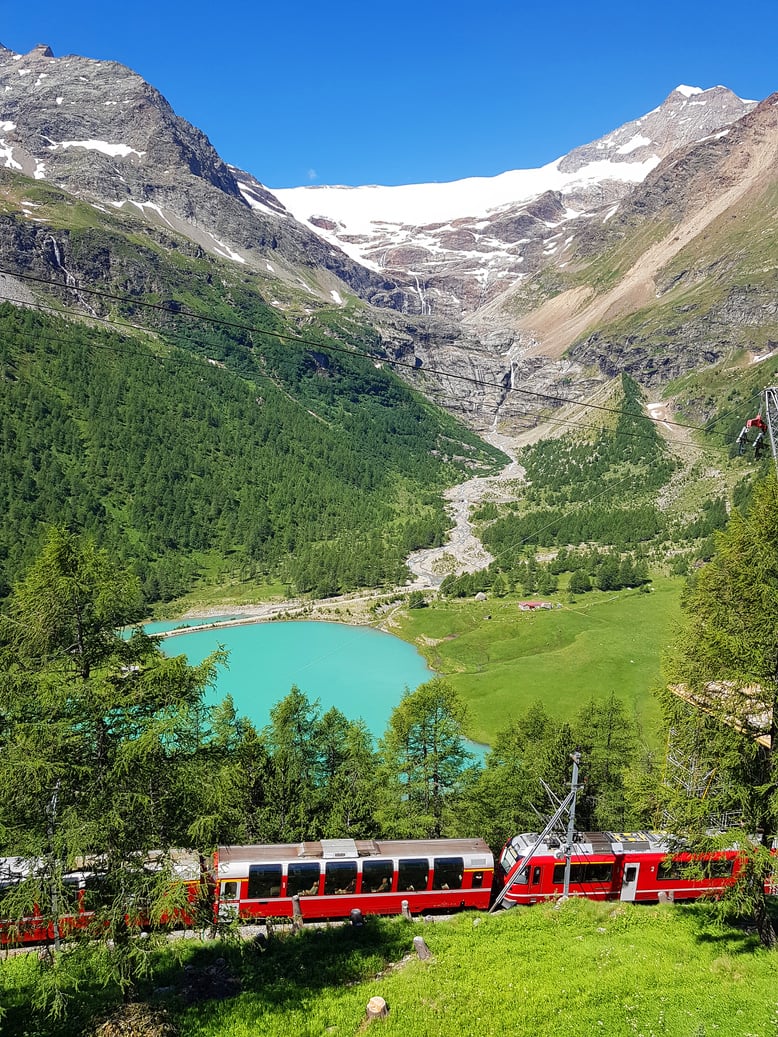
point(334, 876)
point(82, 892)
point(636, 867)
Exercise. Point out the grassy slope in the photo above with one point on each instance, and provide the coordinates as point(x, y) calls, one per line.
point(582, 969)
point(601, 644)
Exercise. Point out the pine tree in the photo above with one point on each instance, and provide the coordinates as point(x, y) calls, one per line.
point(96, 735)
point(722, 708)
point(423, 757)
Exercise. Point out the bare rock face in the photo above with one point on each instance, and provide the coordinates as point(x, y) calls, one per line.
point(101, 132)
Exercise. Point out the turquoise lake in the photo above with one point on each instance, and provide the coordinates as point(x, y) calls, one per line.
point(361, 671)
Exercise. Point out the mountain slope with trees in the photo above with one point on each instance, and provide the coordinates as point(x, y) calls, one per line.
point(197, 449)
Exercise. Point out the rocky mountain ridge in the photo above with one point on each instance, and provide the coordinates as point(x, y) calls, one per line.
point(504, 293)
point(462, 244)
point(102, 133)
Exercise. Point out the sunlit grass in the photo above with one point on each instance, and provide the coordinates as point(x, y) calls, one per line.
point(502, 660)
point(584, 969)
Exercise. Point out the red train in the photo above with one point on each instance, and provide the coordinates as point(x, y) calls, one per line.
point(333, 877)
point(634, 867)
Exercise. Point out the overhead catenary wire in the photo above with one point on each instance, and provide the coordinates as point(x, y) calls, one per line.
point(174, 309)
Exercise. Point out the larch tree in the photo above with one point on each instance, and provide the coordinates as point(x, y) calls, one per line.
point(721, 703)
point(96, 732)
point(423, 758)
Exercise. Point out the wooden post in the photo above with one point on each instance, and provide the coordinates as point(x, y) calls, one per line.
point(377, 1008)
point(297, 914)
point(421, 948)
point(406, 910)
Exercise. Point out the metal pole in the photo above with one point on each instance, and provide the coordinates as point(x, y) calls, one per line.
point(576, 758)
point(771, 417)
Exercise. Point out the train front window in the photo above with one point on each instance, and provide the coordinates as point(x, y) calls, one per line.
point(412, 875)
point(522, 879)
point(377, 876)
point(340, 877)
point(302, 880)
point(447, 873)
point(264, 881)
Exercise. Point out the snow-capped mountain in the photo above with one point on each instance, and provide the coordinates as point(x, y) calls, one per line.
point(101, 132)
point(625, 254)
point(460, 244)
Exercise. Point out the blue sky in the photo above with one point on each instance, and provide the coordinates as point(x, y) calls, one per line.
point(347, 92)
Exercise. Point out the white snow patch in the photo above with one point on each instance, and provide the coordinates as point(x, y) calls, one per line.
point(638, 141)
point(688, 91)
point(256, 203)
point(7, 154)
point(114, 150)
point(270, 267)
point(611, 212)
point(60, 100)
point(362, 210)
point(25, 71)
point(336, 297)
point(6, 126)
point(40, 170)
point(225, 251)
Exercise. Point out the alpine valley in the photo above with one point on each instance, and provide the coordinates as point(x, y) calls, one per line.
point(221, 380)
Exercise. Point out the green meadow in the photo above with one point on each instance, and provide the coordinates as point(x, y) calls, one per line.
point(582, 968)
point(503, 660)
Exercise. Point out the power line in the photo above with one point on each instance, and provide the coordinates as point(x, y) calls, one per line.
point(172, 308)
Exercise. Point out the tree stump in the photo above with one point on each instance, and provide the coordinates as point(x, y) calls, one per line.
point(421, 948)
point(377, 1008)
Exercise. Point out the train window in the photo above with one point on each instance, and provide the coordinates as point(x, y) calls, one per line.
point(478, 879)
point(97, 893)
point(672, 869)
point(412, 875)
point(229, 890)
point(447, 873)
point(522, 879)
point(340, 877)
point(580, 873)
point(377, 876)
point(718, 868)
point(68, 903)
point(302, 879)
point(669, 870)
point(536, 875)
point(264, 881)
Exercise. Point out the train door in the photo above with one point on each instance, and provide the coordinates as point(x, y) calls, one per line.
point(629, 881)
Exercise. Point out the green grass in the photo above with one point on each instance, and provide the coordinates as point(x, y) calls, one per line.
point(582, 969)
point(564, 657)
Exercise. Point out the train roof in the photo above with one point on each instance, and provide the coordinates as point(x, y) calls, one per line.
point(354, 849)
point(593, 843)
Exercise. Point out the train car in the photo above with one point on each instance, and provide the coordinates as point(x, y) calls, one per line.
point(82, 893)
point(634, 867)
point(332, 877)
